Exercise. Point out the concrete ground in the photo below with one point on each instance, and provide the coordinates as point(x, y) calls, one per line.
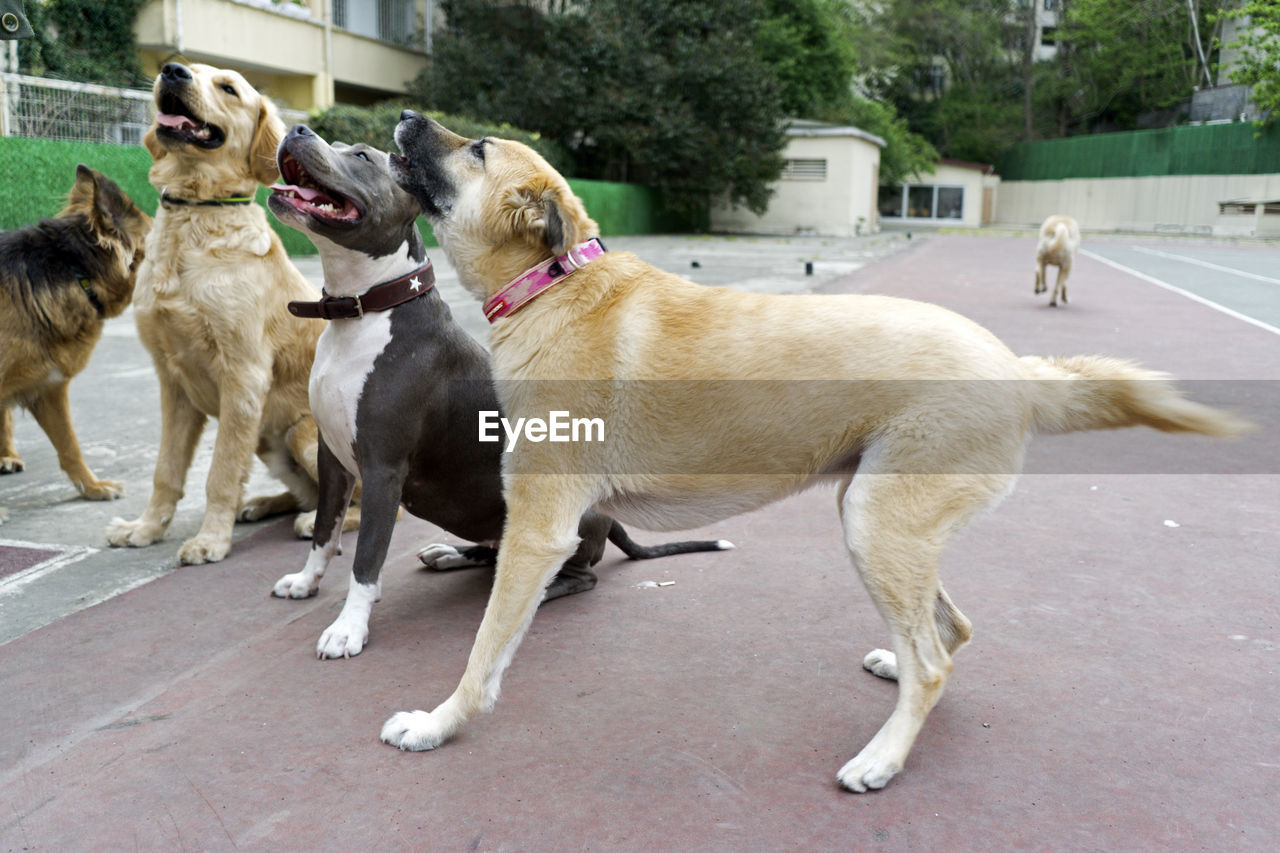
point(1120, 692)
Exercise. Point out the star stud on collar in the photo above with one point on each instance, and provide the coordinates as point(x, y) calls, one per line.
point(414, 284)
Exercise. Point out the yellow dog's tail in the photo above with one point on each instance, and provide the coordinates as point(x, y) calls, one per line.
point(1085, 392)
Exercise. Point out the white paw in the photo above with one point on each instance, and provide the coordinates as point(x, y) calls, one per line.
point(304, 524)
point(345, 638)
point(414, 731)
point(132, 534)
point(203, 549)
point(443, 557)
point(296, 585)
point(867, 771)
point(881, 662)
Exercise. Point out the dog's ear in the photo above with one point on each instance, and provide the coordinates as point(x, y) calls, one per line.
point(110, 205)
point(266, 139)
point(547, 217)
point(153, 145)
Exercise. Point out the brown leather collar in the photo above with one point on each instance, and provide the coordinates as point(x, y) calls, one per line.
point(380, 297)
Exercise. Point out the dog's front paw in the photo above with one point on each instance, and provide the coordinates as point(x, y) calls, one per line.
point(101, 490)
point(296, 585)
point(345, 638)
point(413, 730)
point(203, 549)
point(867, 771)
point(11, 464)
point(304, 525)
point(132, 534)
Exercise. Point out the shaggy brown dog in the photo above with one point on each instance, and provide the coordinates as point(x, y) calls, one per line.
point(59, 280)
point(211, 310)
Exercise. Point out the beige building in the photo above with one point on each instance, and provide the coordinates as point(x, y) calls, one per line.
point(957, 193)
point(305, 53)
point(827, 187)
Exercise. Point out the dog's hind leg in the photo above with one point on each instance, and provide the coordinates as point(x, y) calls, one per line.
point(1060, 284)
point(577, 574)
point(52, 410)
point(895, 527)
point(10, 461)
point(1040, 276)
point(542, 520)
point(336, 485)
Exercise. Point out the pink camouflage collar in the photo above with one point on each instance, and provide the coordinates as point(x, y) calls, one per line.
point(533, 281)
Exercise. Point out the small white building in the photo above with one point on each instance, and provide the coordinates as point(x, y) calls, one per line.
point(957, 193)
point(828, 186)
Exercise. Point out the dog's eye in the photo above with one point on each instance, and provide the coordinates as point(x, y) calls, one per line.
point(229, 89)
point(363, 156)
point(477, 148)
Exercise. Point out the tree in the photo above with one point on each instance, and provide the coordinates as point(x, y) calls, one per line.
point(1128, 57)
point(670, 93)
point(813, 46)
point(952, 69)
point(1259, 47)
point(89, 41)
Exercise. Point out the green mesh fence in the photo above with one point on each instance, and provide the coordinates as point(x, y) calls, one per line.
point(36, 174)
point(1216, 149)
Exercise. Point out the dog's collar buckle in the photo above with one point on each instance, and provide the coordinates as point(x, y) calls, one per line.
point(533, 281)
point(380, 297)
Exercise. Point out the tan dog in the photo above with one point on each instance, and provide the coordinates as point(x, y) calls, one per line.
point(1059, 242)
point(59, 281)
point(918, 415)
point(211, 310)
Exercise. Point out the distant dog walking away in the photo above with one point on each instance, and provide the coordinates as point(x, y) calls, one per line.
point(1059, 242)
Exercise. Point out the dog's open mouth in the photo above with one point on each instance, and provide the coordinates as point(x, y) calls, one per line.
point(176, 121)
point(298, 188)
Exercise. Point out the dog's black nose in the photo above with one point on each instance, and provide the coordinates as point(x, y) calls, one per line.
point(176, 72)
point(301, 130)
point(407, 115)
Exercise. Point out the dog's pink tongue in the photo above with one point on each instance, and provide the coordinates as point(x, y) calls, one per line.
point(173, 121)
point(306, 193)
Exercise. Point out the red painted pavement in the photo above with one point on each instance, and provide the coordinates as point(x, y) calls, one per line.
point(1120, 693)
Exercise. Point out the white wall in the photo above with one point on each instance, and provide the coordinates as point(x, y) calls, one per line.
point(842, 205)
point(1175, 203)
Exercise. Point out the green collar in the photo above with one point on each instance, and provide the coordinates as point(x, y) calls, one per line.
point(213, 202)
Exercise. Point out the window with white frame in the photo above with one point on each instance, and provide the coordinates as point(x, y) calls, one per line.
point(921, 201)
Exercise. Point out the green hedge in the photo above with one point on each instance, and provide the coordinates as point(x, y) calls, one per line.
point(38, 173)
point(1213, 149)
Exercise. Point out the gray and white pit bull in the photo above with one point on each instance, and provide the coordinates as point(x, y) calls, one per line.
point(395, 389)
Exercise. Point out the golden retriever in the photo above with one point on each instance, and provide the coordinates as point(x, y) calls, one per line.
point(918, 415)
point(211, 309)
point(59, 281)
point(1059, 242)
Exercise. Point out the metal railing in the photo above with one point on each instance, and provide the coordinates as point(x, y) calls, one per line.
point(61, 109)
point(42, 108)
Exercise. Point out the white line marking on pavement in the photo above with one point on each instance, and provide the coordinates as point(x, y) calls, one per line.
point(1192, 296)
point(67, 554)
point(1206, 264)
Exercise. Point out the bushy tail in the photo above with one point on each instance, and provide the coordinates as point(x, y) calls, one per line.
point(1085, 392)
point(1059, 241)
